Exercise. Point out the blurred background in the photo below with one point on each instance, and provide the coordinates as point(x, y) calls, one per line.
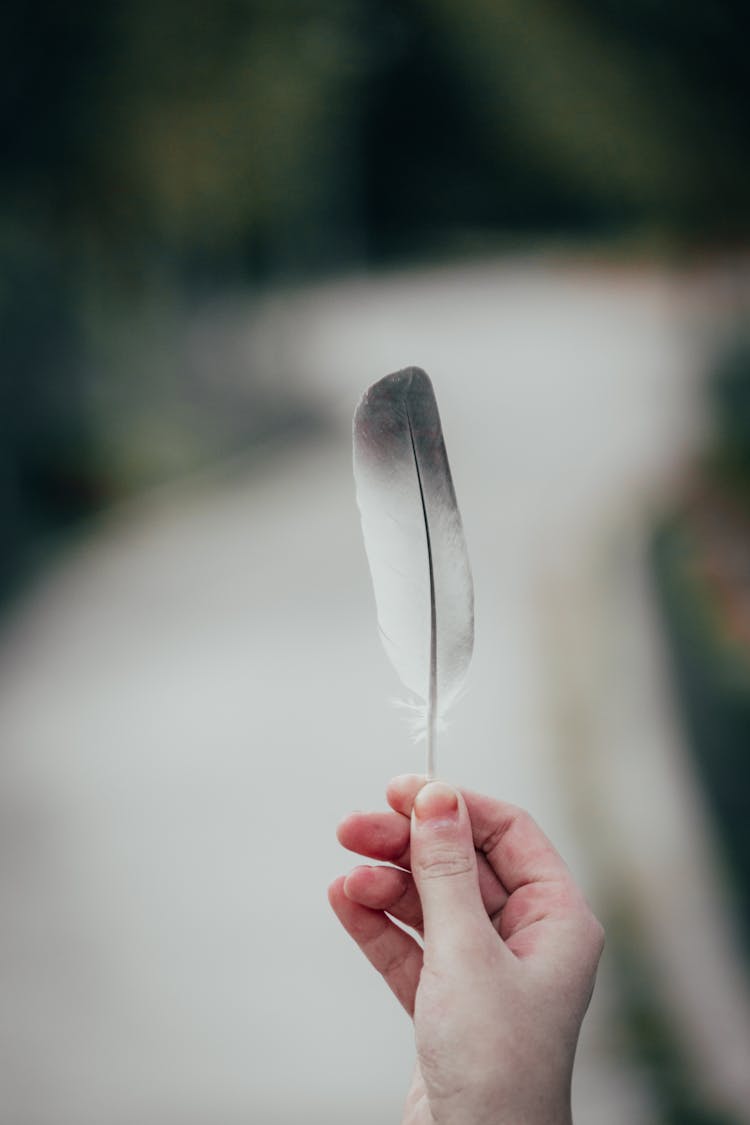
point(218, 224)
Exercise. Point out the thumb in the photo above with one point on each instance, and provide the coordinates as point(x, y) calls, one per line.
point(444, 866)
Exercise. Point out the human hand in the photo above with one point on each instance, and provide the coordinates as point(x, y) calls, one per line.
point(501, 986)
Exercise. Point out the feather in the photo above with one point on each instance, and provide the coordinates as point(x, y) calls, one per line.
point(414, 542)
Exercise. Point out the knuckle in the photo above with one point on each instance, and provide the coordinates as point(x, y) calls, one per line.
point(444, 866)
point(394, 963)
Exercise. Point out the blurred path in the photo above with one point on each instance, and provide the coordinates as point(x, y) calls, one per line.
point(194, 698)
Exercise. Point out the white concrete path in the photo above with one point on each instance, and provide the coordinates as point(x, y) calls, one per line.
point(195, 695)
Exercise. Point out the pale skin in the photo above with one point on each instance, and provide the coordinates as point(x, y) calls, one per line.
point(501, 980)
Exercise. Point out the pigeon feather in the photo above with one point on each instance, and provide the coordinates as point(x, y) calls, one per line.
point(415, 543)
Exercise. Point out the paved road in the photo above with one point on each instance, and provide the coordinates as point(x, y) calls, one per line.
point(196, 694)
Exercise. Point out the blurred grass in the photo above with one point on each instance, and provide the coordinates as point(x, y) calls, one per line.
point(649, 1037)
point(702, 561)
point(709, 649)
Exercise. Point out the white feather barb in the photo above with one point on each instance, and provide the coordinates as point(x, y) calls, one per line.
point(414, 542)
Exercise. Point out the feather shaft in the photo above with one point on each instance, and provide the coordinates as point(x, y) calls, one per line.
point(432, 698)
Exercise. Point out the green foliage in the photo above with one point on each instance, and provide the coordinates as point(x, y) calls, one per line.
point(649, 1035)
point(730, 390)
point(305, 131)
point(712, 675)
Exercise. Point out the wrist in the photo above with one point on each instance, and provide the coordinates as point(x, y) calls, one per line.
point(546, 1114)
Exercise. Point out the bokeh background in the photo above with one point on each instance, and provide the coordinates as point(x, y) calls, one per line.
point(218, 223)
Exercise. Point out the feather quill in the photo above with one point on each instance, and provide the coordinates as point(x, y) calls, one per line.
point(415, 543)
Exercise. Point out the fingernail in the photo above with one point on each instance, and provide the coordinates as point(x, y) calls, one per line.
point(436, 801)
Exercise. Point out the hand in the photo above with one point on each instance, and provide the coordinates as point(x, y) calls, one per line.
point(510, 951)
